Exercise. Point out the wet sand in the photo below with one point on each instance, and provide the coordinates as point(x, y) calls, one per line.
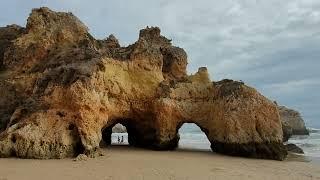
point(123, 162)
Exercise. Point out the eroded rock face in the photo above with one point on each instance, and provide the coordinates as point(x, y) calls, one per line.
point(287, 131)
point(66, 90)
point(8, 104)
point(293, 124)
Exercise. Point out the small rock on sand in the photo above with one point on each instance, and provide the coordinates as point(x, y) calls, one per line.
point(81, 157)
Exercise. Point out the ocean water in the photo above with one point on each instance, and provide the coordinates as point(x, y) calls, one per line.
point(115, 136)
point(192, 141)
point(191, 137)
point(309, 144)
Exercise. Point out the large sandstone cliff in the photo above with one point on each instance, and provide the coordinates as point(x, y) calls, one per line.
point(62, 91)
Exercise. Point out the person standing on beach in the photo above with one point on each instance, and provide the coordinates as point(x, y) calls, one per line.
point(118, 140)
point(121, 139)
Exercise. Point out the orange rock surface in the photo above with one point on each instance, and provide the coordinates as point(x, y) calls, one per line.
point(62, 91)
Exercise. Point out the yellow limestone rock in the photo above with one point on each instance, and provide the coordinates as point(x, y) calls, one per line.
point(62, 91)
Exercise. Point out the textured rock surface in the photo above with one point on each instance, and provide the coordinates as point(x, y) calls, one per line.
point(293, 124)
point(287, 131)
point(81, 157)
point(62, 91)
point(7, 34)
point(118, 128)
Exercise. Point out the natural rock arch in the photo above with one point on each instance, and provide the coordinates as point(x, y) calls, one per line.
point(60, 76)
point(107, 132)
point(196, 130)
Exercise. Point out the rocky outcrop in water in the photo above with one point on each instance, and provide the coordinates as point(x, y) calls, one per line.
point(294, 148)
point(118, 128)
point(62, 91)
point(292, 123)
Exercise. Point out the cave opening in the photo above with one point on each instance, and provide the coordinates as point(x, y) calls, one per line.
point(115, 135)
point(193, 137)
point(133, 133)
point(119, 135)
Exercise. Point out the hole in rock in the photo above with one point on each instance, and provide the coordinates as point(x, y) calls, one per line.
point(193, 138)
point(71, 127)
point(115, 135)
point(13, 139)
point(60, 114)
point(119, 135)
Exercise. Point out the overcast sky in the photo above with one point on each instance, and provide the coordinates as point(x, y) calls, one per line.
point(272, 45)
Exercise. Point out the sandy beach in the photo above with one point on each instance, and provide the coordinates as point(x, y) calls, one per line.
point(123, 162)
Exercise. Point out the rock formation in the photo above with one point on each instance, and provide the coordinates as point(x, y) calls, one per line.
point(294, 148)
point(292, 123)
point(287, 131)
point(62, 91)
point(118, 128)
